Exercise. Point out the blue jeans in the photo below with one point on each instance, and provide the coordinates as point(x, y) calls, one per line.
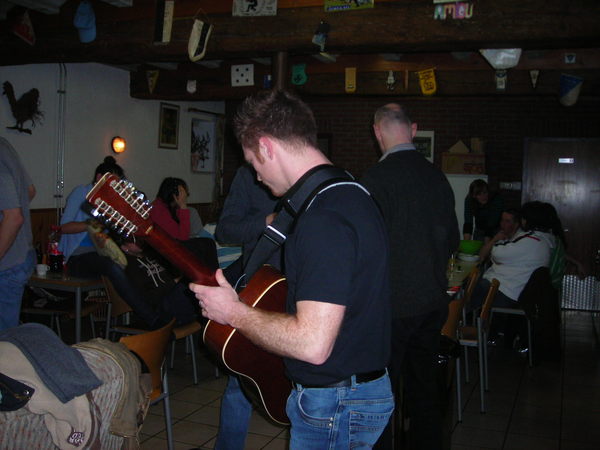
point(12, 285)
point(339, 418)
point(236, 410)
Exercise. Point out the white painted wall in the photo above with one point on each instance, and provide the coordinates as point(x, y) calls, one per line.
point(98, 107)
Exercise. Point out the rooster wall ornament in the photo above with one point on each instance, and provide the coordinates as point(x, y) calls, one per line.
point(25, 108)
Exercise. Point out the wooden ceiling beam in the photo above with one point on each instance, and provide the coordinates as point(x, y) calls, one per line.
point(125, 35)
point(450, 83)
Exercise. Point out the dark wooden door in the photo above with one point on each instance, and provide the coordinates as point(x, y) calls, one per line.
point(566, 173)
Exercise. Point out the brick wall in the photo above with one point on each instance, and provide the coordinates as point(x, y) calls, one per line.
point(503, 123)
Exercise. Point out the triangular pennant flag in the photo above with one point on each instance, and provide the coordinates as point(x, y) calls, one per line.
point(427, 81)
point(534, 74)
point(24, 29)
point(570, 86)
point(152, 77)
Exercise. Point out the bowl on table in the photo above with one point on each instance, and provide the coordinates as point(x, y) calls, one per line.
point(468, 257)
point(470, 247)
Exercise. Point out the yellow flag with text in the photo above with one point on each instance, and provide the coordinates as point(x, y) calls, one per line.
point(427, 81)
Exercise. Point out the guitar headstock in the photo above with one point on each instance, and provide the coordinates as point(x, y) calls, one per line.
point(120, 205)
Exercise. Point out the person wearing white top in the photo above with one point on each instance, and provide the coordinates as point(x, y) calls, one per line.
point(515, 259)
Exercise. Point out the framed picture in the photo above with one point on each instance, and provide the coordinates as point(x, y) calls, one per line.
point(207, 142)
point(168, 126)
point(424, 143)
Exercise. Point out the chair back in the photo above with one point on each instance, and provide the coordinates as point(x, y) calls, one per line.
point(152, 348)
point(455, 308)
point(472, 281)
point(118, 305)
point(489, 300)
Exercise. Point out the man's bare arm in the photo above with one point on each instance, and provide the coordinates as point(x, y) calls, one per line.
point(309, 335)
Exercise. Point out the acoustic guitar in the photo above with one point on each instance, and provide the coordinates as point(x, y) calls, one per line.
point(127, 211)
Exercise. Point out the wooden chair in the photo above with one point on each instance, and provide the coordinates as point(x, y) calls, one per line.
point(151, 347)
point(476, 336)
point(450, 328)
point(472, 280)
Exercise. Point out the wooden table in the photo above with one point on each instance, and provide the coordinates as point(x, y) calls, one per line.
point(65, 283)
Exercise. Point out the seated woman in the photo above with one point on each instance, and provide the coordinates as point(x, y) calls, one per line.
point(485, 209)
point(515, 259)
point(170, 212)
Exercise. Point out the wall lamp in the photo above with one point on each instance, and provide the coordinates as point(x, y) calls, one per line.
point(118, 144)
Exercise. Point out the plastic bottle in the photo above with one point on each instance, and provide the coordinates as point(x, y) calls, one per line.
point(55, 256)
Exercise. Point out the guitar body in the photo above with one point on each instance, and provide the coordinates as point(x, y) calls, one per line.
point(262, 374)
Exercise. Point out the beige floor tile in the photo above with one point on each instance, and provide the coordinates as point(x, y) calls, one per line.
point(278, 444)
point(197, 395)
point(256, 441)
point(191, 433)
point(206, 415)
point(153, 424)
point(161, 444)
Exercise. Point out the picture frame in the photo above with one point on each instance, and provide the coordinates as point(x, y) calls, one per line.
point(207, 138)
point(168, 126)
point(424, 142)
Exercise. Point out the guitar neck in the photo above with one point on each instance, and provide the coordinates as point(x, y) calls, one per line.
point(180, 257)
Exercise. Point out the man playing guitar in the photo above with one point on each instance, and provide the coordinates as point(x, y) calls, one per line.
point(335, 334)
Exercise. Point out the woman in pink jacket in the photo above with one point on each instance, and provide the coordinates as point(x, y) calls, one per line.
point(169, 209)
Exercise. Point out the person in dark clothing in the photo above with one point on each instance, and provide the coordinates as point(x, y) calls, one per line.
point(483, 207)
point(161, 294)
point(247, 210)
point(417, 204)
point(335, 334)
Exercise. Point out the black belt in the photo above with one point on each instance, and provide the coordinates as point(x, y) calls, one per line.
point(359, 377)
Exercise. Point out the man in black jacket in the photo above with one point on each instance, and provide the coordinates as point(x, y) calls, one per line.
point(417, 204)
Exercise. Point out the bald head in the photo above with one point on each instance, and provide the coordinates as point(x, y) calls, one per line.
point(392, 126)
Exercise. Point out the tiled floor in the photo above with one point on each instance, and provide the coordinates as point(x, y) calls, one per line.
point(549, 407)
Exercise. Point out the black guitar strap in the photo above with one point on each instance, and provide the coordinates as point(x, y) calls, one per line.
point(289, 208)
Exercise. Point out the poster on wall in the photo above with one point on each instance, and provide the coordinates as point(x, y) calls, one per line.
point(207, 142)
point(423, 142)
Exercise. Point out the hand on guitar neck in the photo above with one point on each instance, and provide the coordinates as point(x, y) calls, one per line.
point(219, 303)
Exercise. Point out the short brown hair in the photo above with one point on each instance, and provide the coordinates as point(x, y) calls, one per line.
point(276, 113)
